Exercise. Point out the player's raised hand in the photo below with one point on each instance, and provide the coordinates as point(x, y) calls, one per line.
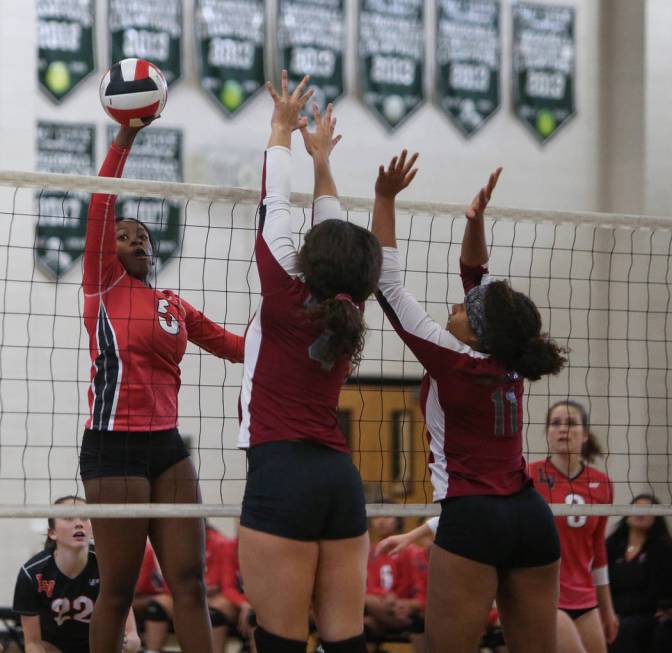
point(399, 175)
point(321, 142)
point(286, 106)
point(480, 202)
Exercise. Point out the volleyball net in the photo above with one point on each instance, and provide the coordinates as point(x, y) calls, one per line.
point(600, 281)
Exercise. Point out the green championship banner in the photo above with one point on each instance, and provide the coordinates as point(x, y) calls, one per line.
point(156, 156)
point(311, 41)
point(65, 41)
point(544, 55)
point(391, 57)
point(61, 225)
point(147, 29)
point(468, 54)
point(230, 50)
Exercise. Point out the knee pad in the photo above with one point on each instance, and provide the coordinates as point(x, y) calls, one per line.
point(355, 644)
point(270, 643)
point(217, 619)
point(155, 612)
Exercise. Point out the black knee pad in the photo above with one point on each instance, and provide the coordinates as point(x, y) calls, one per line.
point(355, 644)
point(270, 643)
point(217, 619)
point(155, 612)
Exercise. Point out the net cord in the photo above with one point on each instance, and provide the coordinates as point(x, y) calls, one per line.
point(183, 510)
point(182, 191)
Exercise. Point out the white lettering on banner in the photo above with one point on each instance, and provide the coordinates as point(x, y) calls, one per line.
point(78, 10)
point(311, 61)
point(146, 45)
point(57, 35)
point(231, 53)
point(392, 70)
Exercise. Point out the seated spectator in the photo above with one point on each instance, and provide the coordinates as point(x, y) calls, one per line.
point(640, 568)
point(231, 584)
point(150, 583)
point(159, 610)
point(57, 589)
point(391, 604)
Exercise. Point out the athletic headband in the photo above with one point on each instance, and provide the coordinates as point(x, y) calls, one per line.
point(474, 303)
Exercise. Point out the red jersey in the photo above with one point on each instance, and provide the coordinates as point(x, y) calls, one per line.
point(583, 562)
point(150, 581)
point(473, 407)
point(391, 574)
point(216, 549)
point(137, 334)
point(231, 579)
point(420, 565)
point(287, 393)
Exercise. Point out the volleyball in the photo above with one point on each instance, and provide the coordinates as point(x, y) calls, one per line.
point(133, 90)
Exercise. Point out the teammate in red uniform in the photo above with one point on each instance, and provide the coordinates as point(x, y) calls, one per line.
point(303, 533)
point(131, 450)
point(496, 534)
point(391, 602)
point(586, 617)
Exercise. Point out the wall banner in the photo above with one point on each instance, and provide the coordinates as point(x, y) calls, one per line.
point(61, 224)
point(544, 56)
point(156, 156)
point(147, 29)
point(230, 50)
point(311, 41)
point(391, 58)
point(66, 46)
point(468, 66)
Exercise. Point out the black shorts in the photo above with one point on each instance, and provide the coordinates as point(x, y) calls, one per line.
point(506, 532)
point(303, 491)
point(575, 613)
point(130, 453)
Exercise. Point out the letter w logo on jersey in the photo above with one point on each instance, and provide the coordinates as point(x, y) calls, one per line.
point(46, 586)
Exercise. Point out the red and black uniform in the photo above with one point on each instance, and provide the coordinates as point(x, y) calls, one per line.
point(137, 338)
point(289, 397)
point(583, 562)
point(387, 574)
point(473, 410)
point(63, 604)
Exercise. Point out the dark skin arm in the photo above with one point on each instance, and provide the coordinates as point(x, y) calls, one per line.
point(474, 248)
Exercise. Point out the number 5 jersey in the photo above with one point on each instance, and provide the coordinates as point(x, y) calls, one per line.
point(137, 334)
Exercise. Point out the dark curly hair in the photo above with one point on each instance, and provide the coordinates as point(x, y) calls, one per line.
point(591, 448)
point(339, 257)
point(513, 334)
point(658, 530)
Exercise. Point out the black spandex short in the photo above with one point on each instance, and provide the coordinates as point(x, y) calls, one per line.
point(130, 453)
point(506, 532)
point(303, 491)
point(575, 613)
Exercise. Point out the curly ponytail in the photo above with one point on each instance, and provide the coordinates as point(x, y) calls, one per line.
point(344, 329)
point(340, 258)
point(513, 334)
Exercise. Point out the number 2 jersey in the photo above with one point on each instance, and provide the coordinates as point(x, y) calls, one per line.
point(472, 405)
point(583, 561)
point(137, 334)
point(63, 604)
point(287, 394)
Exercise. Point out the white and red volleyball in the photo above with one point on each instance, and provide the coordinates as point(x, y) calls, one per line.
point(133, 89)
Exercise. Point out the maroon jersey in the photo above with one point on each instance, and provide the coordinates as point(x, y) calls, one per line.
point(583, 560)
point(473, 407)
point(288, 393)
point(137, 334)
